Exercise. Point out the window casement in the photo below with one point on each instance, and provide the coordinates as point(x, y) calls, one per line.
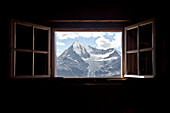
point(31, 55)
point(29, 50)
point(140, 50)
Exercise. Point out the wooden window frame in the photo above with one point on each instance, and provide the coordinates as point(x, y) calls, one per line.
point(13, 49)
point(152, 49)
point(54, 73)
point(51, 43)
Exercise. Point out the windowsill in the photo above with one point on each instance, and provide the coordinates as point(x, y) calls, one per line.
point(71, 81)
point(58, 81)
point(88, 81)
point(139, 76)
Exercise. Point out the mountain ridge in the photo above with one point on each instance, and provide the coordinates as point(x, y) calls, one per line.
point(80, 60)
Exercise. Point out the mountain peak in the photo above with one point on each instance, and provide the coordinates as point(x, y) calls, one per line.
point(76, 42)
point(80, 49)
point(78, 45)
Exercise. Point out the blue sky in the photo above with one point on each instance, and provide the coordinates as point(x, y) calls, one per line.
point(100, 40)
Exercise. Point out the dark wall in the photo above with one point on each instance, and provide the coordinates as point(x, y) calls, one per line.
point(130, 96)
point(136, 11)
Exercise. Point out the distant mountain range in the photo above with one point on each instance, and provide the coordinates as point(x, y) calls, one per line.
point(80, 60)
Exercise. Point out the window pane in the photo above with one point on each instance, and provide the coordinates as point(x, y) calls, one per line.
point(145, 63)
point(24, 37)
point(145, 36)
point(23, 63)
point(40, 39)
point(40, 64)
point(88, 54)
point(131, 39)
point(132, 63)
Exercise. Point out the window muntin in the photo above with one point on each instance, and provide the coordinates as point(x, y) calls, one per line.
point(88, 54)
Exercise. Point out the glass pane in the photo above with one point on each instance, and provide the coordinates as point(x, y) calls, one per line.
point(145, 36)
point(88, 54)
point(40, 39)
point(23, 63)
point(131, 40)
point(132, 64)
point(24, 37)
point(145, 63)
point(40, 64)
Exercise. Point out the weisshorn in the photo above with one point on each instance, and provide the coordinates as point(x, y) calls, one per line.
point(80, 60)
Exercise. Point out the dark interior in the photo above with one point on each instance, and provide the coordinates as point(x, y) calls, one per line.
point(88, 95)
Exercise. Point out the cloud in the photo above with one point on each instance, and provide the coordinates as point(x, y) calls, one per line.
point(110, 33)
point(104, 43)
point(117, 40)
point(73, 35)
point(65, 35)
point(90, 34)
point(58, 52)
point(60, 44)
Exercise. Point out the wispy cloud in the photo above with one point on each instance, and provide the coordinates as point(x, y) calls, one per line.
point(60, 44)
point(65, 35)
point(73, 35)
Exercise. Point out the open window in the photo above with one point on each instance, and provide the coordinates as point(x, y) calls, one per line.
point(140, 50)
point(30, 50)
point(83, 52)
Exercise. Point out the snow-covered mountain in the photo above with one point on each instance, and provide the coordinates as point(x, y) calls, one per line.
point(80, 60)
